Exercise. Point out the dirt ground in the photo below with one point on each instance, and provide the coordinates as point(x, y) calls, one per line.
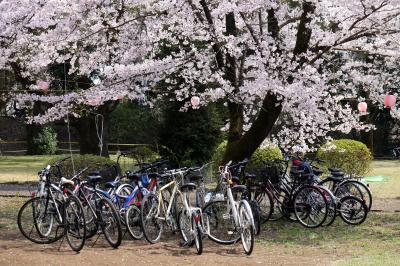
point(14, 250)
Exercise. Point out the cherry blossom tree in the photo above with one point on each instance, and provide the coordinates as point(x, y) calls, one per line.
point(277, 64)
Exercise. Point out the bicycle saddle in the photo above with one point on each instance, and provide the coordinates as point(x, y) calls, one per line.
point(195, 177)
point(250, 175)
point(238, 188)
point(317, 172)
point(112, 184)
point(296, 172)
point(334, 169)
point(94, 177)
point(132, 176)
point(188, 187)
point(337, 174)
point(235, 179)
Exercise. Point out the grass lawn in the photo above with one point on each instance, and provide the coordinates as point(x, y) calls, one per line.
point(375, 242)
point(391, 187)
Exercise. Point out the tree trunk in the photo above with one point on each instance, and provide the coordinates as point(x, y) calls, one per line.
point(89, 142)
point(244, 147)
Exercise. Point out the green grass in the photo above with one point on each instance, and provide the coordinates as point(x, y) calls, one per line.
point(378, 238)
point(21, 168)
point(390, 188)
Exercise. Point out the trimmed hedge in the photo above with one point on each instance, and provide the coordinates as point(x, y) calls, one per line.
point(95, 164)
point(352, 156)
point(267, 152)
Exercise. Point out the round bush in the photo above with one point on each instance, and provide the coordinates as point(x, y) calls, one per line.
point(352, 156)
point(266, 152)
point(46, 141)
point(95, 163)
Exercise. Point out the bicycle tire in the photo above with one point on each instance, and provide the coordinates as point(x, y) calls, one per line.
point(218, 231)
point(310, 205)
point(114, 218)
point(133, 222)
point(148, 210)
point(246, 235)
point(353, 200)
point(78, 221)
point(198, 238)
point(39, 239)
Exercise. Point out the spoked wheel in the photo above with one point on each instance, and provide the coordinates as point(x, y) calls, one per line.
point(185, 227)
point(331, 206)
point(133, 222)
point(110, 223)
point(92, 225)
point(219, 223)
point(198, 234)
point(355, 188)
point(310, 206)
point(255, 208)
point(41, 224)
point(265, 204)
point(75, 220)
point(151, 226)
point(246, 230)
point(353, 210)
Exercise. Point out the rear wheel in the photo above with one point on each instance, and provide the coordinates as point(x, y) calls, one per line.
point(355, 188)
point(151, 225)
point(353, 210)
point(198, 239)
point(265, 204)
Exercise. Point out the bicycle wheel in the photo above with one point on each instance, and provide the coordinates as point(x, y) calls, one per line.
point(353, 210)
point(255, 208)
point(185, 227)
point(109, 222)
point(75, 223)
point(330, 218)
point(92, 226)
point(219, 223)
point(310, 206)
point(355, 188)
point(151, 226)
point(198, 235)
point(40, 224)
point(132, 221)
point(247, 230)
point(265, 204)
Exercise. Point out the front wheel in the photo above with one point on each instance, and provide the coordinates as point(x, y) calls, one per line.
point(310, 206)
point(246, 227)
point(220, 223)
point(133, 222)
point(75, 223)
point(151, 225)
point(110, 223)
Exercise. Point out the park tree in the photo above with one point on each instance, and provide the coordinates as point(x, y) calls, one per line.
point(284, 64)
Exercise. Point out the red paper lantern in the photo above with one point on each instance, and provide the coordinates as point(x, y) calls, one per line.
point(42, 85)
point(362, 107)
point(390, 101)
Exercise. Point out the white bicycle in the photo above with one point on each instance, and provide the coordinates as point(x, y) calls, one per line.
point(227, 217)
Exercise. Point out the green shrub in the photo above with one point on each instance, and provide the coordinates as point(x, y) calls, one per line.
point(46, 141)
point(267, 152)
point(353, 157)
point(95, 163)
